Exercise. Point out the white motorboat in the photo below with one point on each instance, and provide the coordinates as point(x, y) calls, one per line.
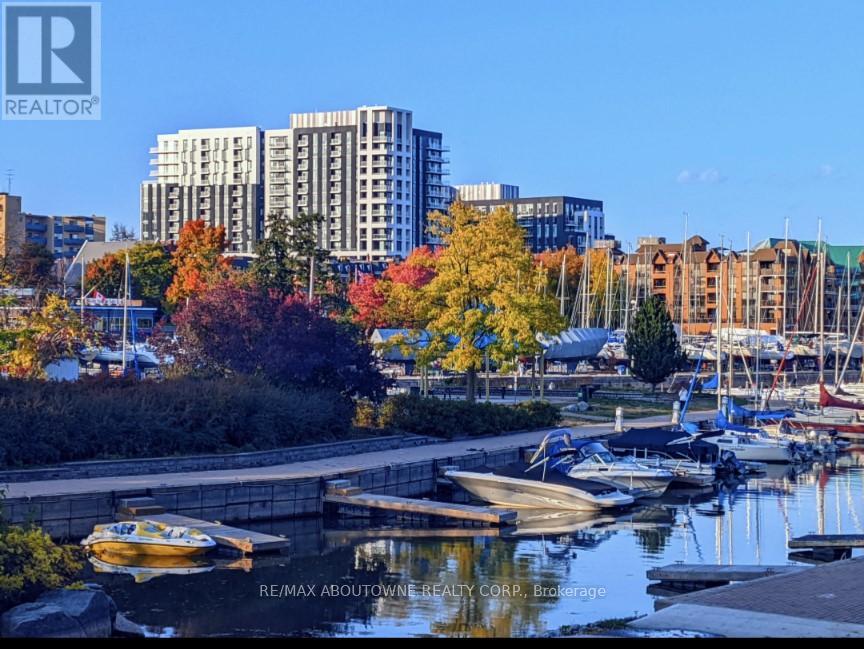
point(591, 460)
point(521, 485)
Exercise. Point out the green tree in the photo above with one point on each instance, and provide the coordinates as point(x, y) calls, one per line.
point(652, 343)
point(289, 252)
point(276, 265)
point(486, 294)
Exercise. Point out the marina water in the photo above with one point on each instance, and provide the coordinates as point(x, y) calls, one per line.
point(362, 578)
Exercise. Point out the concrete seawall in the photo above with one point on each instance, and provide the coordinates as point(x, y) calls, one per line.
point(68, 508)
point(72, 516)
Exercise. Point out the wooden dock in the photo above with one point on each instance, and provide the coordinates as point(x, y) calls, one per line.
point(234, 538)
point(704, 576)
point(341, 493)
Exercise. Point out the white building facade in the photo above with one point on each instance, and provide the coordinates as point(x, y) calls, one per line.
point(214, 175)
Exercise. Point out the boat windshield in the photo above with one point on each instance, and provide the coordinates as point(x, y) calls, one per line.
point(598, 451)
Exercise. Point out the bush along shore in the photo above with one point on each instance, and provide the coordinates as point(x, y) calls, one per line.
point(50, 423)
point(41, 595)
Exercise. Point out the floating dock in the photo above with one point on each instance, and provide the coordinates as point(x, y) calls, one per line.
point(821, 548)
point(342, 494)
point(234, 538)
point(690, 576)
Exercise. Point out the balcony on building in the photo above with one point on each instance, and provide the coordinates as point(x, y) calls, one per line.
point(35, 226)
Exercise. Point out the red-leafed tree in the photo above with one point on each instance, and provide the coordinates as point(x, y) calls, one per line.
point(228, 328)
point(368, 301)
point(197, 260)
point(381, 302)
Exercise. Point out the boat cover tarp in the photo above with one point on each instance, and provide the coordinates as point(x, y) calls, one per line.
point(710, 384)
point(574, 344)
point(665, 439)
point(724, 424)
point(826, 400)
point(759, 415)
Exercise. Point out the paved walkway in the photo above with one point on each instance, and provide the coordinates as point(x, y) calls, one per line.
point(823, 601)
point(310, 469)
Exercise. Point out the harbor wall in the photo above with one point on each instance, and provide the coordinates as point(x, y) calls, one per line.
point(73, 517)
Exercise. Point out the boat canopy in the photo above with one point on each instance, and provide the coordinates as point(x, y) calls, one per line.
point(759, 415)
point(724, 424)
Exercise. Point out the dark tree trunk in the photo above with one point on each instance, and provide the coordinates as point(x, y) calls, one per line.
point(471, 385)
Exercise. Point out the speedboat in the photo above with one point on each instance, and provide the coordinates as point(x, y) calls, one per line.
point(147, 538)
point(591, 460)
point(537, 487)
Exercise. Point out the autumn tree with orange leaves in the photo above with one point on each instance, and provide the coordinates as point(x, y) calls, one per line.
point(198, 260)
point(388, 301)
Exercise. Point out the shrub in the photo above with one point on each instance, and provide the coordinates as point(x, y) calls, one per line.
point(448, 419)
point(30, 563)
point(47, 423)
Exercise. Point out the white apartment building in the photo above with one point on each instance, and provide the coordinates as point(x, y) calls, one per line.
point(367, 171)
point(486, 192)
point(355, 168)
point(209, 174)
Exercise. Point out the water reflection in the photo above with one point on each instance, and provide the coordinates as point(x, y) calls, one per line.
point(550, 562)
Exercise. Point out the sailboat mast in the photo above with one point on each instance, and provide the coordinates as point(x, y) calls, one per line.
point(747, 301)
point(563, 280)
point(785, 271)
point(719, 314)
point(125, 308)
point(683, 291)
point(730, 320)
point(820, 311)
point(588, 300)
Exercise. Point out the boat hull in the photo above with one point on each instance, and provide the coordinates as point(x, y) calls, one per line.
point(534, 494)
point(127, 548)
point(636, 485)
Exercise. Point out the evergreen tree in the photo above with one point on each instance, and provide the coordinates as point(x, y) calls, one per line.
point(652, 344)
point(275, 265)
point(287, 253)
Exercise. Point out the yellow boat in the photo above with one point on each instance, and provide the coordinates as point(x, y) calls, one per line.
point(147, 538)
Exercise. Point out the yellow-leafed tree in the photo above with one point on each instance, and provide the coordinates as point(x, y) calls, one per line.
point(486, 293)
point(51, 333)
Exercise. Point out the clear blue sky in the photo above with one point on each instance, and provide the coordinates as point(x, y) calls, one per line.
point(739, 113)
